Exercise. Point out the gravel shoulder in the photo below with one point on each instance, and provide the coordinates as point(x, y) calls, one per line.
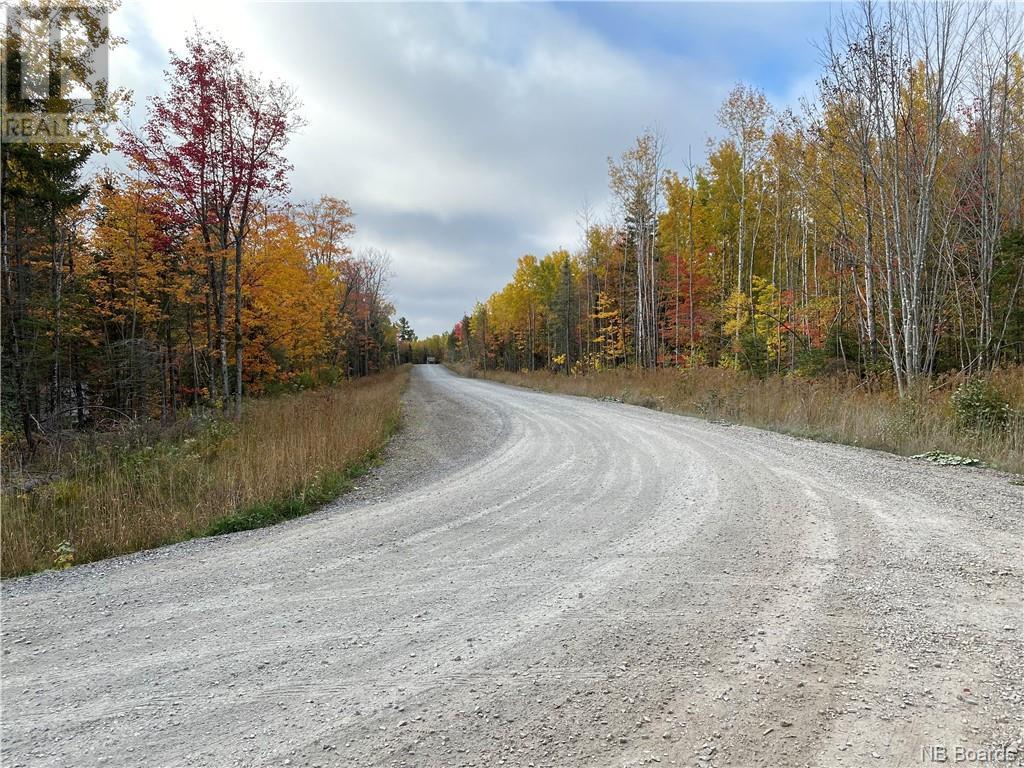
point(534, 579)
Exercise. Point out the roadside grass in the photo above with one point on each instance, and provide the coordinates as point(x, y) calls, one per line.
point(831, 409)
point(332, 485)
point(287, 456)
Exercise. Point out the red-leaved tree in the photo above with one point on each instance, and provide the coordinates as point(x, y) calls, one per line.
point(215, 143)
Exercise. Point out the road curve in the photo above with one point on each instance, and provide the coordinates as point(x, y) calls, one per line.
point(539, 580)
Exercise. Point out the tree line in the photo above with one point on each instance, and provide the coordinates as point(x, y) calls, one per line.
point(186, 281)
point(878, 231)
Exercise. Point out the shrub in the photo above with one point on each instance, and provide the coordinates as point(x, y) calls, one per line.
point(979, 406)
point(753, 353)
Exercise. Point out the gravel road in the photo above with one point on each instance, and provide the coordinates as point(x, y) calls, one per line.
point(540, 580)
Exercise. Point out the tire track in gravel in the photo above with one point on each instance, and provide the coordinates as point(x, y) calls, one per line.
point(548, 581)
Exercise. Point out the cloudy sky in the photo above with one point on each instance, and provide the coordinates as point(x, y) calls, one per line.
point(467, 135)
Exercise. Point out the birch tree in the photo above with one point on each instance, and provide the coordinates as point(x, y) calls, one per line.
point(636, 181)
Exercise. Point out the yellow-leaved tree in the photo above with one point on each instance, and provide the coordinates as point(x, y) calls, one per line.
point(290, 301)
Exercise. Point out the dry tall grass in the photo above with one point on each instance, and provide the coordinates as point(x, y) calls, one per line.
point(114, 500)
point(832, 409)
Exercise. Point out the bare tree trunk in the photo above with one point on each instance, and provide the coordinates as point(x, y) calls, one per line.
point(222, 335)
point(869, 267)
point(239, 339)
point(210, 311)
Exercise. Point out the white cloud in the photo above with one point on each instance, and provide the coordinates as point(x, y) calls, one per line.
point(463, 136)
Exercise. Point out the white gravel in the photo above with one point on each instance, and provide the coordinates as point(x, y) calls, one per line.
point(548, 581)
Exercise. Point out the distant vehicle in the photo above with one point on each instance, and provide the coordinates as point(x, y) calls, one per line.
point(432, 360)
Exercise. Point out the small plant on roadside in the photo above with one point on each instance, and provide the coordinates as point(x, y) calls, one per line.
point(979, 406)
point(63, 555)
point(948, 459)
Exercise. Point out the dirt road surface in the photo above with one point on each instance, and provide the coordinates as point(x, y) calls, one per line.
point(538, 580)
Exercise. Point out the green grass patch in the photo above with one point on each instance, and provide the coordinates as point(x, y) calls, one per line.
point(309, 499)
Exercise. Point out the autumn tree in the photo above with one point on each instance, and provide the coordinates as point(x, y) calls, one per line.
point(745, 115)
point(406, 337)
point(636, 182)
point(43, 192)
point(140, 274)
point(215, 144)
